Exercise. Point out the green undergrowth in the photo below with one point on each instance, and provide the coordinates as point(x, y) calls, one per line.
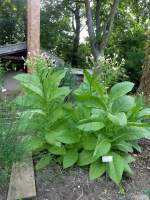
point(12, 147)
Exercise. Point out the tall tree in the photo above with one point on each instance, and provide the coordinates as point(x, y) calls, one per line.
point(100, 32)
point(145, 80)
point(76, 24)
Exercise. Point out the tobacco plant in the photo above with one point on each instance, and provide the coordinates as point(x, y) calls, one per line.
point(110, 124)
point(97, 123)
point(43, 102)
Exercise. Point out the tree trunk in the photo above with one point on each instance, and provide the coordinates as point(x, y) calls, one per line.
point(145, 80)
point(76, 40)
point(99, 39)
point(91, 32)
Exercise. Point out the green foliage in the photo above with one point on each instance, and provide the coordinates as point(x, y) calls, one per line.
point(44, 101)
point(12, 21)
point(98, 123)
point(43, 162)
point(110, 124)
point(111, 71)
point(12, 148)
point(1, 74)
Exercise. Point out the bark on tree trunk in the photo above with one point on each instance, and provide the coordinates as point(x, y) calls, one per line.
point(99, 39)
point(91, 32)
point(145, 80)
point(76, 40)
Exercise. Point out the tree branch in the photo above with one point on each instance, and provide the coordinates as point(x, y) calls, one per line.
point(91, 32)
point(97, 18)
point(109, 25)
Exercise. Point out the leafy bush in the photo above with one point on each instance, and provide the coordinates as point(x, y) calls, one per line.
point(99, 123)
point(110, 125)
point(111, 71)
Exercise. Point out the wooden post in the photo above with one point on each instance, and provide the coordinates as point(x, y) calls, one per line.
point(33, 27)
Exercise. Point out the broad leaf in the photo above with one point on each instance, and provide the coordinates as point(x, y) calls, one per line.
point(120, 89)
point(102, 148)
point(97, 169)
point(35, 144)
point(51, 138)
point(136, 146)
point(68, 137)
point(89, 142)
point(119, 119)
point(92, 126)
point(116, 168)
point(144, 113)
point(123, 104)
point(90, 100)
point(31, 82)
point(128, 170)
point(43, 162)
point(123, 146)
point(70, 158)
point(135, 133)
point(98, 113)
point(60, 92)
point(57, 150)
point(86, 158)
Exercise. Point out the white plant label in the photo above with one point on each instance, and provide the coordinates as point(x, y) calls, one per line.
point(107, 159)
point(4, 90)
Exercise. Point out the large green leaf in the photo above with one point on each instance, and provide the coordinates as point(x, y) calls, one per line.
point(86, 158)
point(135, 133)
point(56, 77)
point(57, 150)
point(43, 162)
point(31, 82)
point(128, 170)
point(123, 104)
point(98, 113)
point(68, 136)
point(123, 146)
point(120, 89)
point(132, 133)
point(139, 124)
point(91, 126)
point(51, 138)
point(89, 142)
point(90, 100)
point(36, 143)
point(136, 146)
point(144, 113)
point(102, 148)
point(94, 83)
point(70, 158)
point(119, 119)
point(59, 92)
point(116, 168)
point(97, 169)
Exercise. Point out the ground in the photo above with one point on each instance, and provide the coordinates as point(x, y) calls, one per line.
point(54, 183)
point(73, 184)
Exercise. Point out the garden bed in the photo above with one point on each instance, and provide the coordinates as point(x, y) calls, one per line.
point(54, 183)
